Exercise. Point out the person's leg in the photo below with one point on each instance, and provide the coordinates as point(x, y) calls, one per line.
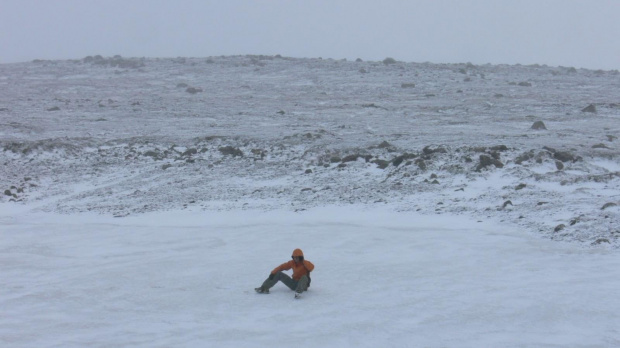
point(280, 277)
point(302, 284)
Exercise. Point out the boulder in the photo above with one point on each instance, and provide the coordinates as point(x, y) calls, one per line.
point(193, 90)
point(601, 241)
point(590, 108)
point(539, 125)
point(486, 161)
point(232, 151)
point(388, 61)
point(381, 164)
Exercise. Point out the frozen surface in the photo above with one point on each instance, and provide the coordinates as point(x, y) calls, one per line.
point(381, 279)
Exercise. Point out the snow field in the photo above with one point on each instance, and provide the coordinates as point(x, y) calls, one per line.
point(186, 279)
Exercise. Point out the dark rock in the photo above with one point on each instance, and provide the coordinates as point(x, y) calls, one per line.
point(607, 205)
point(256, 152)
point(358, 60)
point(399, 159)
point(350, 158)
point(520, 187)
point(342, 165)
point(407, 85)
point(308, 171)
point(232, 151)
point(306, 189)
point(381, 164)
point(507, 203)
point(421, 164)
point(525, 84)
point(590, 108)
point(574, 221)
point(372, 105)
point(600, 146)
point(388, 61)
point(166, 166)
point(601, 241)
point(55, 108)
point(190, 152)
point(281, 112)
point(154, 154)
point(428, 150)
point(499, 148)
point(559, 165)
point(335, 159)
point(559, 228)
point(20, 190)
point(435, 182)
point(542, 203)
point(193, 90)
point(564, 156)
point(486, 161)
point(539, 125)
point(363, 71)
point(524, 157)
point(384, 145)
point(8, 193)
point(611, 138)
point(433, 176)
point(561, 155)
point(4, 109)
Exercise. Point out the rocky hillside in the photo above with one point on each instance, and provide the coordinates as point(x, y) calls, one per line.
point(533, 145)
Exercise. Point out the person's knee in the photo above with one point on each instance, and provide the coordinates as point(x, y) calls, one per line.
point(304, 281)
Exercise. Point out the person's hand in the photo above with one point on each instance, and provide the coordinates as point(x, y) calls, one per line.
point(271, 276)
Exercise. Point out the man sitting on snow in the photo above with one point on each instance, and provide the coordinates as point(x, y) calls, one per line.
point(301, 275)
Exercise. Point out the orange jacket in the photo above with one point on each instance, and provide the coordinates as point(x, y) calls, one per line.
point(299, 268)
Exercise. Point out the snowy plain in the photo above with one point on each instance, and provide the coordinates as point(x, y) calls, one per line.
point(144, 199)
point(185, 279)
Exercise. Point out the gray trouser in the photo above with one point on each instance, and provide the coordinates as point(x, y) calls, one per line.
point(299, 286)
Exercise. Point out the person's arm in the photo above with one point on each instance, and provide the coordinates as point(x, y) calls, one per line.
point(309, 266)
point(283, 267)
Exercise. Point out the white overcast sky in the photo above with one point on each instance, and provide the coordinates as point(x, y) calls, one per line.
point(578, 33)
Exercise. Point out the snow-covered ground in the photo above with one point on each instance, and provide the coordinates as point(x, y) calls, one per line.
point(382, 279)
point(141, 201)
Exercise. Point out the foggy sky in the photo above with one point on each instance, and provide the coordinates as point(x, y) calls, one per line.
point(576, 33)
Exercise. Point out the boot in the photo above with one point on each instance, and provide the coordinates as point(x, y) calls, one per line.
point(262, 290)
